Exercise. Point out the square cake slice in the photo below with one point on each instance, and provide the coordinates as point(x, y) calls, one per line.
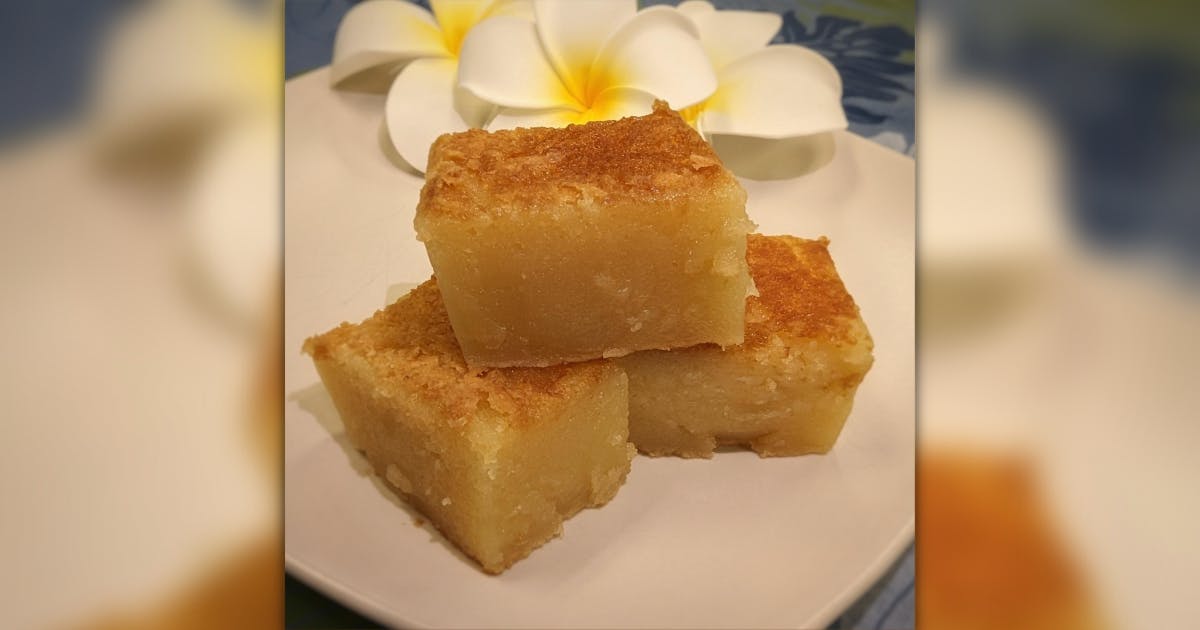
point(786, 391)
point(497, 461)
point(596, 240)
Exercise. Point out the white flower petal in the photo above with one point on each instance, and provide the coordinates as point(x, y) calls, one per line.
point(162, 72)
point(612, 104)
point(694, 8)
point(474, 111)
point(456, 18)
point(774, 158)
point(777, 92)
point(501, 61)
point(619, 102)
point(231, 221)
point(516, 8)
point(511, 118)
point(572, 34)
point(656, 52)
point(730, 35)
point(380, 33)
point(420, 107)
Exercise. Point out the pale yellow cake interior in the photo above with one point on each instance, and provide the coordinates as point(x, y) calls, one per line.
point(786, 391)
point(498, 460)
point(557, 245)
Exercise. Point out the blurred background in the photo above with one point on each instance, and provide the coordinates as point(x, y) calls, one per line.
point(1058, 152)
point(139, 234)
point(1058, 146)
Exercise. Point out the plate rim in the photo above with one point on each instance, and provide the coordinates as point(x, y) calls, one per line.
point(381, 613)
point(867, 578)
point(388, 615)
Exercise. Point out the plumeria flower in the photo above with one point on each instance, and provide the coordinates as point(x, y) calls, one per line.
point(189, 91)
point(423, 101)
point(584, 60)
point(174, 72)
point(771, 92)
point(768, 91)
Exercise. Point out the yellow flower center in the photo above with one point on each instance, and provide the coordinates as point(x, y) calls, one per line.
point(691, 114)
point(599, 79)
point(253, 57)
point(456, 19)
point(453, 40)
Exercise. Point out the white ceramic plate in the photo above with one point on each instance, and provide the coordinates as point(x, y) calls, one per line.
point(735, 541)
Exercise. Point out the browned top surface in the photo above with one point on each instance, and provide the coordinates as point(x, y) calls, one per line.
point(642, 158)
point(799, 290)
point(411, 349)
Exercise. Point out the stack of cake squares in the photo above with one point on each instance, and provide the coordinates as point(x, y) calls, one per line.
point(597, 291)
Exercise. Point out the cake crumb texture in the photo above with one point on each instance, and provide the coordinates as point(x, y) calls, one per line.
point(496, 461)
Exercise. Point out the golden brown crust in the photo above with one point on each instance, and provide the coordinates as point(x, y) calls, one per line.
point(800, 292)
point(411, 350)
point(643, 158)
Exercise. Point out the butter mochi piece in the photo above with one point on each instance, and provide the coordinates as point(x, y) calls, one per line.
point(786, 391)
point(590, 241)
point(496, 461)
